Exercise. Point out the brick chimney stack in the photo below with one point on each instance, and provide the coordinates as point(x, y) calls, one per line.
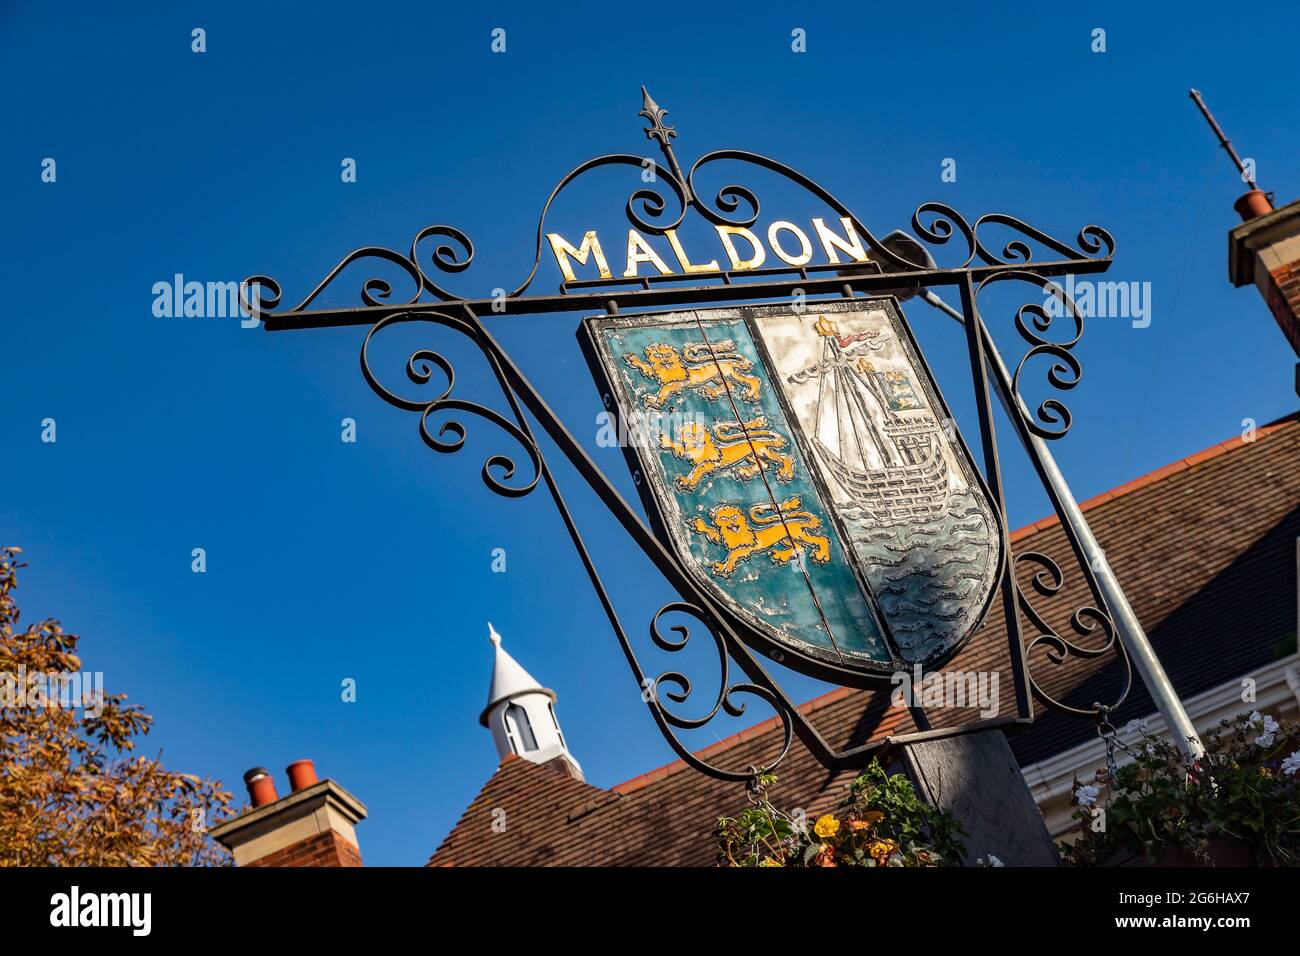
point(1265, 249)
point(313, 826)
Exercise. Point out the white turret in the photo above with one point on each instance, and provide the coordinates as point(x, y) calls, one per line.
point(521, 714)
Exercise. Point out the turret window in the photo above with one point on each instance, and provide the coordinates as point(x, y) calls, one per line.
point(519, 729)
point(559, 733)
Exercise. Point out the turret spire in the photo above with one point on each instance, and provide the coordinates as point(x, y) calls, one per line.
point(520, 712)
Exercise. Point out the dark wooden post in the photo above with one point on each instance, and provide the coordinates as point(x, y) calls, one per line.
point(976, 777)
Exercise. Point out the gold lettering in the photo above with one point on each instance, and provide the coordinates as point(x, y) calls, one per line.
point(638, 251)
point(680, 253)
point(590, 248)
point(805, 247)
point(726, 232)
point(852, 244)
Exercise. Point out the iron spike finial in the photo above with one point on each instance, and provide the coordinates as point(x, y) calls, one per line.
point(655, 114)
point(656, 129)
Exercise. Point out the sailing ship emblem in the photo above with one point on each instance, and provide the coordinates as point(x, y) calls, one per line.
point(894, 467)
point(803, 467)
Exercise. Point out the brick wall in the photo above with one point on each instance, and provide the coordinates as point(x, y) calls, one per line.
point(322, 849)
point(1264, 251)
point(1283, 297)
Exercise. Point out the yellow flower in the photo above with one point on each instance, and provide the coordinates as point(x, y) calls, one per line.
point(859, 825)
point(826, 827)
point(881, 850)
point(768, 861)
point(1265, 772)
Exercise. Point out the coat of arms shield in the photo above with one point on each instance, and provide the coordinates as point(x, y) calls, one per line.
point(803, 467)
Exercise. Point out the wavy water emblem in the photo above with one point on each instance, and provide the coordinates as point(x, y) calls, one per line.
point(925, 575)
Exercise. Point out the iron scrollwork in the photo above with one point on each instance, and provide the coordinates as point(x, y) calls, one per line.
point(1091, 241)
point(724, 701)
point(1034, 321)
point(646, 208)
point(1088, 622)
point(422, 366)
point(655, 210)
point(643, 208)
point(450, 435)
point(376, 292)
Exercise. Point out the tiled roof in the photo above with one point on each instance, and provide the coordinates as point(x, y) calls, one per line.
point(1206, 550)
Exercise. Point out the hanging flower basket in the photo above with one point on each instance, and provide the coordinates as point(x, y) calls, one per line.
point(880, 823)
point(1237, 805)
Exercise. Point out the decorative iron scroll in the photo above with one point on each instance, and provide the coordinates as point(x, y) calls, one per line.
point(934, 223)
point(724, 702)
point(1051, 419)
point(978, 261)
point(1087, 622)
point(673, 686)
point(498, 468)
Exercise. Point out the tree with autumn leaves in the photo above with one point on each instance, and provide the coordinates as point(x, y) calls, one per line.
point(72, 792)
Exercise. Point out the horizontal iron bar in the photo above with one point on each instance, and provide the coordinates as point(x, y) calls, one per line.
point(939, 733)
point(727, 275)
point(854, 758)
point(597, 301)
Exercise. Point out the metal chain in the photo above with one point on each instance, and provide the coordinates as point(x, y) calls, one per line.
point(1110, 736)
point(1106, 730)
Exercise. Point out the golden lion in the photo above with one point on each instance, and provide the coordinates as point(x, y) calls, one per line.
point(695, 367)
point(743, 446)
point(784, 531)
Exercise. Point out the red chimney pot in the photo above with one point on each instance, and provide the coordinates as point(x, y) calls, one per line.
point(1252, 205)
point(302, 773)
point(261, 788)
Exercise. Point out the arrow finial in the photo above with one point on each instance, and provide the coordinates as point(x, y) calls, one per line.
point(655, 114)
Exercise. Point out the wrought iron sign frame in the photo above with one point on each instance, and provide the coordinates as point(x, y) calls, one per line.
point(890, 271)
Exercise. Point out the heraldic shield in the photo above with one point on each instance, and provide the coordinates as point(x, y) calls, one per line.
point(803, 467)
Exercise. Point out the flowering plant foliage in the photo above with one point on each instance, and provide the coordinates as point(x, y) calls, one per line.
point(1246, 786)
point(880, 823)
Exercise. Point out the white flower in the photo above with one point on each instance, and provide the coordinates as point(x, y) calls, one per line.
point(992, 861)
point(1135, 727)
point(1087, 794)
point(1268, 725)
point(1291, 764)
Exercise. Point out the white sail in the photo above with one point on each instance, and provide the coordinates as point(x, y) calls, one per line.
point(886, 466)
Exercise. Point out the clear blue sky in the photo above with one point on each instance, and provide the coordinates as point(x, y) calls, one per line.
point(372, 560)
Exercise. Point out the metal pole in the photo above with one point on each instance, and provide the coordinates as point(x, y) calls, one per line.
point(1126, 621)
point(1223, 139)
